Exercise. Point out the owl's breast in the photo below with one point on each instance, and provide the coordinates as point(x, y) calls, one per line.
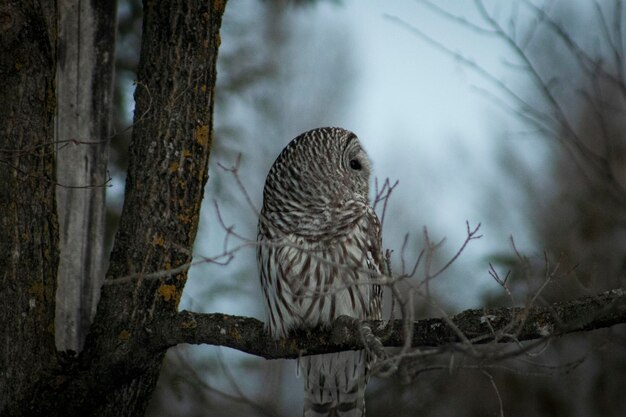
point(313, 282)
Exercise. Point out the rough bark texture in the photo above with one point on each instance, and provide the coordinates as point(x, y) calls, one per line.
point(28, 222)
point(167, 172)
point(499, 325)
point(117, 370)
point(84, 96)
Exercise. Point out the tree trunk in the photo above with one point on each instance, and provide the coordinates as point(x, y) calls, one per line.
point(84, 91)
point(28, 222)
point(167, 172)
point(119, 365)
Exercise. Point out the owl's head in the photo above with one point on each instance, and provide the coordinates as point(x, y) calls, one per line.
point(320, 174)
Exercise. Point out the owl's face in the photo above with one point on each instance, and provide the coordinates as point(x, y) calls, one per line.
point(321, 173)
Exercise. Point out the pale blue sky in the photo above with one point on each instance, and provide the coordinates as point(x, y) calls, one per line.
point(423, 123)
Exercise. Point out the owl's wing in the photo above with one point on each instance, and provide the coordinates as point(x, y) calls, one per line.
point(375, 262)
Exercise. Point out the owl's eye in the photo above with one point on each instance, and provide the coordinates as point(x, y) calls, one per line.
point(355, 164)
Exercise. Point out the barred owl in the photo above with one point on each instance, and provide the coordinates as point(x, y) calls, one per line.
point(318, 243)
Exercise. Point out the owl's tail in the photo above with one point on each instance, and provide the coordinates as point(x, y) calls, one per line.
point(335, 384)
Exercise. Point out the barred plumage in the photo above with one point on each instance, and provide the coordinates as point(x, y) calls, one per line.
point(319, 240)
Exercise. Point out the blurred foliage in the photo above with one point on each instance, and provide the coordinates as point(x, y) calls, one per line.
point(575, 210)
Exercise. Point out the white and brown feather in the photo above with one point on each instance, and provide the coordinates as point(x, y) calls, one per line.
point(318, 244)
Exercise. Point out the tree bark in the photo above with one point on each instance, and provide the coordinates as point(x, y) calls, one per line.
point(28, 222)
point(84, 90)
point(117, 369)
point(167, 172)
point(480, 326)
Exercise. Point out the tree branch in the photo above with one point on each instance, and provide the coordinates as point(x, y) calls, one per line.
point(499, 325)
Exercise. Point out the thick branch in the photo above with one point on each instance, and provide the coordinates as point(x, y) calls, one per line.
point(501, 325)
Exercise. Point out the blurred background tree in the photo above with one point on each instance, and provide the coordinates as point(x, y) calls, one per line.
point(569, 92)
point(281, 74)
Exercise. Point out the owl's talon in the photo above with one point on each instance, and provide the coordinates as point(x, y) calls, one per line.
point(372, 343)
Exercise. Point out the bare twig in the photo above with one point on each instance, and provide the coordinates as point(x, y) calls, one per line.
point(496, 390)
point(501, 281)
point(456, 18)
point(234, 170)
point(383, 194)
